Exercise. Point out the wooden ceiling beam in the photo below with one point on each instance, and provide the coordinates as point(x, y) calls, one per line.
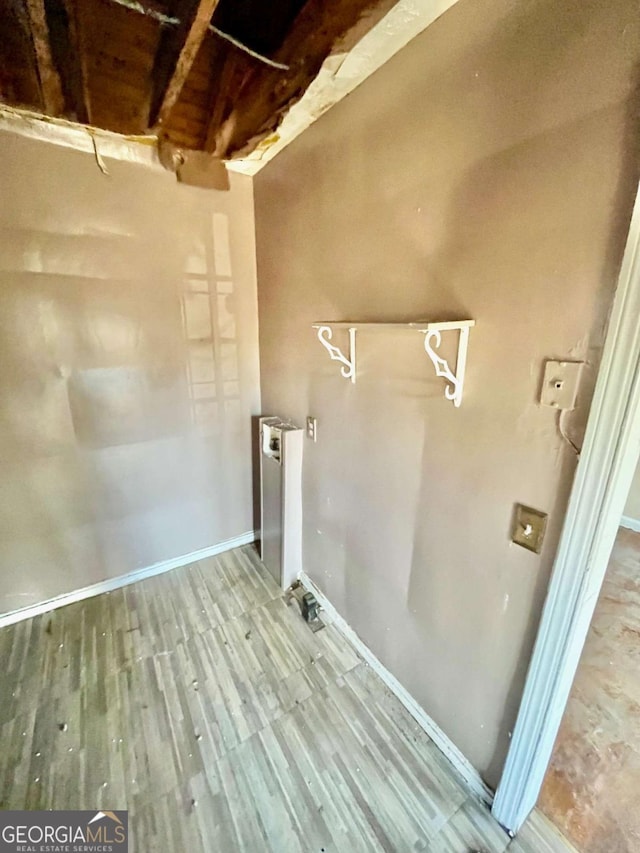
point(49, 79)
point(266, 95)
point(186, 41)
point(72, 56)
point(79, 67)
point(220, 99)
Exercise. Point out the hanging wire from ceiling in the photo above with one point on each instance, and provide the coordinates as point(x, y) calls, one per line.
point(172, 21)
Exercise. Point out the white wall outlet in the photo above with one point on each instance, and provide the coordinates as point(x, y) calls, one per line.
point(312, 426)
point(560, 384)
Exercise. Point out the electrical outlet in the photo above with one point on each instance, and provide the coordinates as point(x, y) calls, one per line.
point(529, 526)
point(312, 426)
point(560, 384)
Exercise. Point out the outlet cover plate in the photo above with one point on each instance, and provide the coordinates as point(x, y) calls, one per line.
point(529, 526)
point(312, 428)
point(560, 384)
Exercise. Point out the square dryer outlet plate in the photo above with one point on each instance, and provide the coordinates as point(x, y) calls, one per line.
point(528, 528)
point(560, 384)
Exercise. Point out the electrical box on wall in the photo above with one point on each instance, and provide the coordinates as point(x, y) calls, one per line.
point(560, 384)
point(529, 527)
point(312, 428)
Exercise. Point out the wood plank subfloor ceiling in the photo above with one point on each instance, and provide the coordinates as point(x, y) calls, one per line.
point(203, 704)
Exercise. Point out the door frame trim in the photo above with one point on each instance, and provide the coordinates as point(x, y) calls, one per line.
point(603, 477)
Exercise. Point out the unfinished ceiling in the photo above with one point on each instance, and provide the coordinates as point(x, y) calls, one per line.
point(206, 75)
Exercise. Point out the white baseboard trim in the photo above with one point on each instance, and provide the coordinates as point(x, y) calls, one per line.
point(630, 523)
point(462, 766)
point(124, 580)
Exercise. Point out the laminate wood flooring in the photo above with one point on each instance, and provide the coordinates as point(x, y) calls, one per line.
point(202, 703)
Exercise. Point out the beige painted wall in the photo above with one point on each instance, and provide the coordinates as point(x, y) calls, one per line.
point(128, 368)
point(487, 171)
point(632, 506)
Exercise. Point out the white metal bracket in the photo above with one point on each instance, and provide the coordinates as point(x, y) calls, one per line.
point(432, 339)
point(348, 370)
point(456, 380)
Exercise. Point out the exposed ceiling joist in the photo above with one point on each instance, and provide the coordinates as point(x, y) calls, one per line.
point(49, 79)
point(260, 104)
point(187, 39)
point(171, 21)
point(237, 79)
point(77, 61)
point(219, 101)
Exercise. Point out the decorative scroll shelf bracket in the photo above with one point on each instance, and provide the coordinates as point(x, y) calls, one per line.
point(348, 370)
point(433, 332)
point(432, 339)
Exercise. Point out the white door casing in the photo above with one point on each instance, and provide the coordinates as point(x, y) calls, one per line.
point(603, 477)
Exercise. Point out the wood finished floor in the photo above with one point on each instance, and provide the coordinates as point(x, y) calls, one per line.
point(591, 787)
point(203, 704)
